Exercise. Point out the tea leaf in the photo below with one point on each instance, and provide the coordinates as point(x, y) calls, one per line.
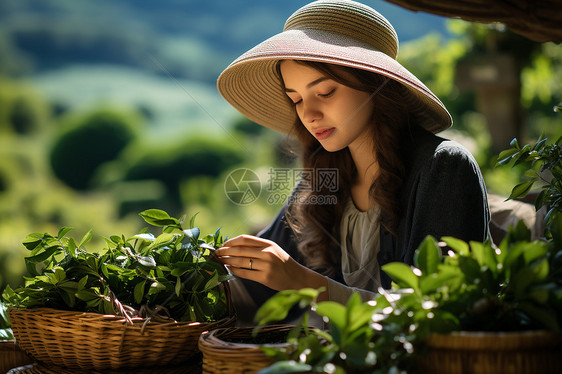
point(85, 239)
point(283, 367)
point(521, 190)
point(192, 233)
point(63, 231)
point(161, 240)
point(335, 312)
point(32, 240)
point(277, 307)
point(402, 274)
point(147, 261)
point(48, 252)
point(427, 257)
point(457, 245)
point(505, 156)
point(158, 218)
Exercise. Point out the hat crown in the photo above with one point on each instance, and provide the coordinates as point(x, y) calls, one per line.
point(349, 18)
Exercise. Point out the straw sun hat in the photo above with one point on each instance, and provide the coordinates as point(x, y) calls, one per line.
point(339, 32)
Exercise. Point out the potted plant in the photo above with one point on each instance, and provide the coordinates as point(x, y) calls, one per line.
point(478, 309)
point(141, 301)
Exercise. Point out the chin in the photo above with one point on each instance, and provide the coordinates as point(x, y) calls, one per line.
point(332, 147)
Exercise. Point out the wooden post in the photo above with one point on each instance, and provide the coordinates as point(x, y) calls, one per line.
point(495, 79)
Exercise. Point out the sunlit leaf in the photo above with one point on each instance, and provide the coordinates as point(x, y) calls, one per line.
point(277, 307)
point(459, 246)
point(335, 312)
point(158, 218)
point(505, 156)
point(147, 261)
point(402, 274)
point(427, 256)
point(521, 190)
point(282, 367)
point(63, 231)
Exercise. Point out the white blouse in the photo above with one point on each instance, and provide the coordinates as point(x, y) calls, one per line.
point(360, 244)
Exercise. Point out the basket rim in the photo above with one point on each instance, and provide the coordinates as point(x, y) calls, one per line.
point(213, 339)
point(501, 340)
point(92, 316)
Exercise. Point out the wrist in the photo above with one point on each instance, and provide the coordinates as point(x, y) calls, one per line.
point(309, 278)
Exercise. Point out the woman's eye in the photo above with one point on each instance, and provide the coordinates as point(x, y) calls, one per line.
point(328, 94)
point(297, 102)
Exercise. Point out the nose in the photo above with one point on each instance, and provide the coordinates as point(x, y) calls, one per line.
point(310, 112)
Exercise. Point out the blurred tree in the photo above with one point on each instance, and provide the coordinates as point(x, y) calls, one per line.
point(541, 90)
point(433, 59)
point(195, 156)
point(22, 110)
point(247, 127)
point(492, 70)
point(24, 116)
point(89, 141)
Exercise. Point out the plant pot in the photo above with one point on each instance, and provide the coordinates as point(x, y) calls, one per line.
point(11, 356)
point(234, 350)
point(78, 341)
point(493, 353)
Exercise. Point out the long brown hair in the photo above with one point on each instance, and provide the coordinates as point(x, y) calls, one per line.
point(317, 225)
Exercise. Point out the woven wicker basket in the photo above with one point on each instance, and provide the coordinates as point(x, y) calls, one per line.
point(11, 356)
point(193, 366)
point(494, 353)
point(224, 353)
point(91, 341)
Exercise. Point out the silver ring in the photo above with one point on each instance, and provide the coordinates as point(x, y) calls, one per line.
point(251, 261)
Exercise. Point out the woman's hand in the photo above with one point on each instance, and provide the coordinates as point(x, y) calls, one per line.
point(263, 261)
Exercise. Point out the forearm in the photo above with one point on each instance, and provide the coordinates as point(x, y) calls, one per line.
point(309, 278)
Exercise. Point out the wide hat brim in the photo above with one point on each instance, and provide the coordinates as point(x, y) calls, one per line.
point(252, 85)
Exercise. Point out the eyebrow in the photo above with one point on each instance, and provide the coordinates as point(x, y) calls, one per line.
point(313, 83)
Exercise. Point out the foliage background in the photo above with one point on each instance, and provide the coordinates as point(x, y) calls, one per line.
point(108, 108)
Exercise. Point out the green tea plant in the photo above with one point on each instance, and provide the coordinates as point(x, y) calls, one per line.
point(170, 276)
point(475, 287)
point(544, 162)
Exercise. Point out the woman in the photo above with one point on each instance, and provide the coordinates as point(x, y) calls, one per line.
point(331, 79)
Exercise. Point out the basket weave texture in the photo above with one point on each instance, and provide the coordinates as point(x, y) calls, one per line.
point(223, 354)
point(494, 353)
point(11, 356)
point(193, 366)
point(91, 341)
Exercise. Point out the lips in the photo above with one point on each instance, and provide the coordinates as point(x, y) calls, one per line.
point(322, 134)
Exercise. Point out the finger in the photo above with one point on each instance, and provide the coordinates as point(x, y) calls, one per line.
point(239, 251)
point(246, 240)
point(242, 262)
point(245, 273)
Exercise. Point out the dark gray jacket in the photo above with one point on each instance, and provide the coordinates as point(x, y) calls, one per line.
point(443, 195)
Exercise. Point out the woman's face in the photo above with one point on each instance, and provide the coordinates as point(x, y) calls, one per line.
point(338, 116)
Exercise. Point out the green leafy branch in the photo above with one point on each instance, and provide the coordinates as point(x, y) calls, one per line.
point(170, 276)
point(544, 162)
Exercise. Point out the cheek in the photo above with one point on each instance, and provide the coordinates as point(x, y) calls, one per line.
point(363, 109)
